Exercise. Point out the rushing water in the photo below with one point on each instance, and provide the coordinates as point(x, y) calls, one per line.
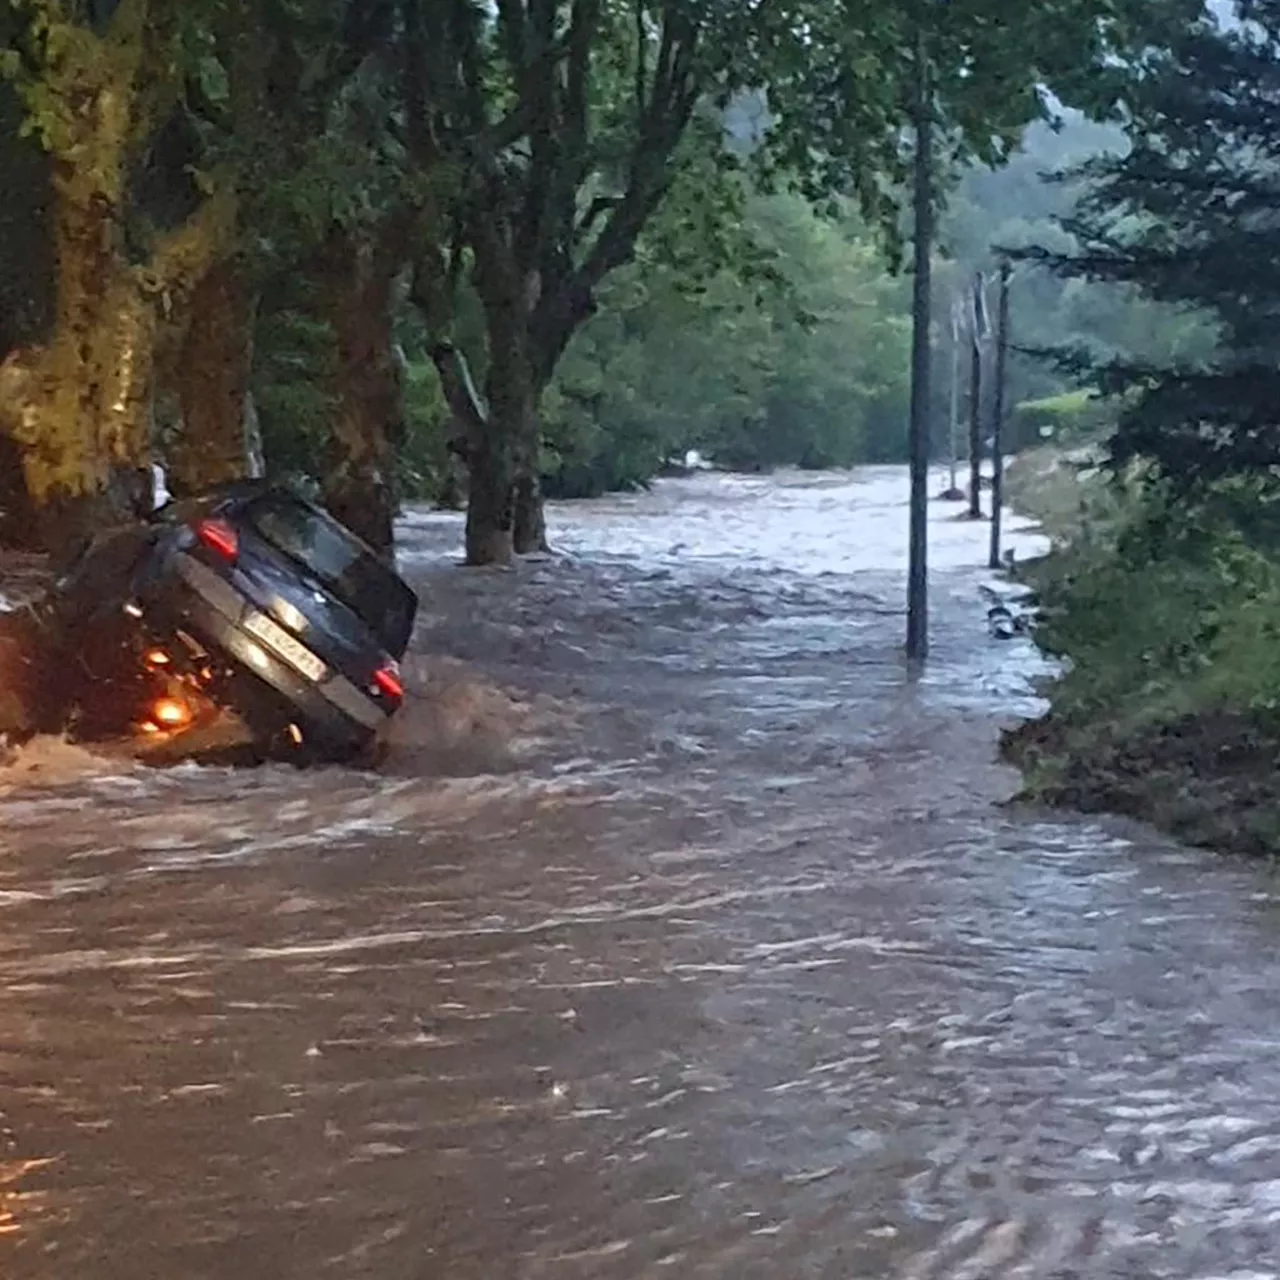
point(683, 936)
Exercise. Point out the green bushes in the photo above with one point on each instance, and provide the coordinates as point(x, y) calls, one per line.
point(806, 366)
point(1063, 490)
point(1170, 611)
point(1167, 623)
point(1075, 417)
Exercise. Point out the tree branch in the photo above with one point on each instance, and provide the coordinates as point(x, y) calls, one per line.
point(595, 211)
point(182, 256)
point(421, 139)
point(464, 400)
point(511, 33)
point(537, 84)
point(568, 298)
point(642, 58)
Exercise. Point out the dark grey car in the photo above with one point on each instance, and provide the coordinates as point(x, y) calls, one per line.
point(252, 603)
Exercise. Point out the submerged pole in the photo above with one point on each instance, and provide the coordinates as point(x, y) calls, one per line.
point(953, 420)
point(921, 364)
point(997, 416)
point(975, 400)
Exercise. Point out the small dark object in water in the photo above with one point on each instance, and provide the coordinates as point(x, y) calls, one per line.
point(1006, 618)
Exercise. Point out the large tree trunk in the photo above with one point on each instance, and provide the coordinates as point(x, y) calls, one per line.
point(359, 485)
point(550, 329)
point(63, 461)
point(80, 406)
point(214, 366)
point(491, 452)
point(529, 519)
point(19, 529)
point(488, 529)
point(19, 513)
point(498, 444)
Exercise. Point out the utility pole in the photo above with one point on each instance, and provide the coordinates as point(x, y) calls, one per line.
point(975, 397)
point(953, 421)
point(997, 415)
point(921, 361)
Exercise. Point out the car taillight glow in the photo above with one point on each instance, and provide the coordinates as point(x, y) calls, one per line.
point(388, 681)
point(219, 537)
point(172, 713)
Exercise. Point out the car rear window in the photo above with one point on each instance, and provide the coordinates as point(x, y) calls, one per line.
point(372, 590)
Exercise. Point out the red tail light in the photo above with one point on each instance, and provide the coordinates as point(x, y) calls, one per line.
point(219, 537)
point(388, 681)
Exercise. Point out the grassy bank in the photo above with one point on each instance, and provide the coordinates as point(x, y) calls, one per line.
point(1061, 490)
point(1167, 620)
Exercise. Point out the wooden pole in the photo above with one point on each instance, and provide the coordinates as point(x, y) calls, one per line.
point(921, 363)
point(953, 419)
point(997, 416)
point(975, 403)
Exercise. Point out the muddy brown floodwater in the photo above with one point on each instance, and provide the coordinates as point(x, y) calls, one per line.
point(681, 937)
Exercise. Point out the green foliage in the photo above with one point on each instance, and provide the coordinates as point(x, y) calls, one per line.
point(1187, 216)
point(847, 77)
point(608, 141)
point(291, 388)
point(1168, 619)
point(1171, 612)
point(1074, 417)
point(293, 377)
point(1020, 207)
point(1063, 491)
point(426, 466)
point(95, 92)
point(807, 368)
point(580, 147)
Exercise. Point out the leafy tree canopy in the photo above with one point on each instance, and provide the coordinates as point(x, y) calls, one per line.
point(1188, 216)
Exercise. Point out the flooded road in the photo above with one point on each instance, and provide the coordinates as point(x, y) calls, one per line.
point(683, 936)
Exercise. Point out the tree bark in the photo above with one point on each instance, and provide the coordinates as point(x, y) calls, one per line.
point(491, 452)
point(529, 517)
point(528, 514)
point(80, 407)
point(63, 460)
point(19, 529)
point(19, 514)
point(359, 484)
point(214, 366)
point(488, 530)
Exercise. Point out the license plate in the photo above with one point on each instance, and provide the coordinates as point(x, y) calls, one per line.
point(276, 637)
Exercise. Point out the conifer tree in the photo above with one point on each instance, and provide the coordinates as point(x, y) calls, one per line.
point(1190, 216)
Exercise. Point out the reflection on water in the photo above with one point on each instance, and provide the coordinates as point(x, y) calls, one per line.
point(680, 937)
point(18, 1208)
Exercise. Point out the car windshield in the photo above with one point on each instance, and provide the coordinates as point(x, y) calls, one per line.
point(359, 579)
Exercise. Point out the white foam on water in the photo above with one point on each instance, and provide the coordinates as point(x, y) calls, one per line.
point(808, 525)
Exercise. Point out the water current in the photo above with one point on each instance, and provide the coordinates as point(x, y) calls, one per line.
point(683, 935)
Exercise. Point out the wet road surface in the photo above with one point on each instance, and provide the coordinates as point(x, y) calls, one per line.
point(682, 937)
